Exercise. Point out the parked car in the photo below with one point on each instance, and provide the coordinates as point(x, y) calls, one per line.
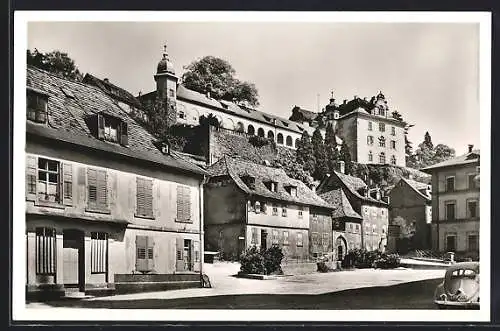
point(460, 287)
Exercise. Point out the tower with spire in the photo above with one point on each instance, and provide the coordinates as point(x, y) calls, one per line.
point(166, 80)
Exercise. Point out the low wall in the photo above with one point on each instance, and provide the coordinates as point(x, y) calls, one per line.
point(134, 283)
point(300, 268)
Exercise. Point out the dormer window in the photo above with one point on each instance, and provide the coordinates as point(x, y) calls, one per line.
point(249, 181)
point(272, 186)
point(36, 106)
point(292, 190)
point(112, 129)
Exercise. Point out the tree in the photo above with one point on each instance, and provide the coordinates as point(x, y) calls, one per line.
point(56, 62)
point(428, 140)
point(217, 76)
point(305, 153)
point(345, 155)
point(443, 153)
point(425, 155)
point(320, 155)
point(332, 151)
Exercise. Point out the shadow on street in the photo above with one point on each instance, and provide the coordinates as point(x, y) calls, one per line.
point(412, 295)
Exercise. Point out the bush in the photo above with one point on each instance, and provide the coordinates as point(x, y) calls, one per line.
point(258, 141)
point(387, 261)
point(263, 262)
point(252, 261)
point(361, 258)
point(272, 260)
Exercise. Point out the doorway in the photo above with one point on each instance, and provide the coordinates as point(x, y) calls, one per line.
point(73, 259)
point(263, 239)
point(341, 248)
point(187, 255)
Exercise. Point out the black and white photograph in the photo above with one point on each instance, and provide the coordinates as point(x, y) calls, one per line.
point(196, 166)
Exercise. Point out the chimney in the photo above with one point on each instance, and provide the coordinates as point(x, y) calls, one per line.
point(106, 80)
point(410, 176)
point(470, 148)
point(341, 166)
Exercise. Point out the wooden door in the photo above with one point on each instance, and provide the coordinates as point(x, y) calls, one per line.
point(72, 243)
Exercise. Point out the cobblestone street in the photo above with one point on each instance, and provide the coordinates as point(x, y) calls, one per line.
point(299, 291)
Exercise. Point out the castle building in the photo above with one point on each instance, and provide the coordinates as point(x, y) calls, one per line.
point(373, 133)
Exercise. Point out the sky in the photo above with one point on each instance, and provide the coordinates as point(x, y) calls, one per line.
point(429, 72)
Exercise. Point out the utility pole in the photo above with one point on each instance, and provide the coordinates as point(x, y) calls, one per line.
point(317, 102)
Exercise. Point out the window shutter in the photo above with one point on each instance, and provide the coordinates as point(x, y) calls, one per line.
point(124, 134)
point(67, 184)
point(144, 197)
point(31, 177)
point(141, 244)
point(102, 189)
point(150, 253)
point(92, 188)
point(100, 126)
point(187, 203)
point(179, 258)
point(197, 256)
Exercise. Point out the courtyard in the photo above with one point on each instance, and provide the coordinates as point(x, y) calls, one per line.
point(357, 289)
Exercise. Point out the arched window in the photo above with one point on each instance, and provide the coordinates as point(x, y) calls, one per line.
point(280, 138)
point(240, 127)
point(382, 158)
point(370, 156)
point(297, 142)
point(289, 141)
point(260, 132)
point(393, 160)
point(251, 130)
point(270, 135)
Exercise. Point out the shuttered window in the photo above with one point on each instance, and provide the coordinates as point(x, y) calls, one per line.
point(45, 251)
point(325, 239)
point(97, 189)
point(144, 197)
point(99, 252)
point(144, 253)
point(31, 170)
point(184, 204)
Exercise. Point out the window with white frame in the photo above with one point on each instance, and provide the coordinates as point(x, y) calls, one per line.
point(48, 180)
point(393, 131)
point(450, 183)
point(370, 126)
point(301, 211)
point(381, 158)
point(285, 238)
point(275, 209)
point(369, 140)
point(381, 127)
point(283, 211)
point(36, 107)
point(370, 156)
point(275, 237)
point(300, 240)
point(450, 210)
point(381, 141)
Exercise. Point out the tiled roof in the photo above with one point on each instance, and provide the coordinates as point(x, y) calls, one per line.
point(232, 108)
point(113, 90)
point(67, 120)
point(472, 157)
point(353, 184)
point(342, 207)
point(418, 187)
point(299, 113)
point(236, 168)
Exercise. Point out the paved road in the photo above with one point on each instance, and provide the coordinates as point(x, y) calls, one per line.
point(367, 288)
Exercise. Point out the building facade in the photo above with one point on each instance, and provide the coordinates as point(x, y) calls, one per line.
point(455, 203)
point(369, 204)
point(411, 207)
point(346, 223)
point(104, 204)
point(372, 132)
point(249, 204)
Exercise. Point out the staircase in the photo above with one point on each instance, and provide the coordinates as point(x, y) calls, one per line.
point(75, 293)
